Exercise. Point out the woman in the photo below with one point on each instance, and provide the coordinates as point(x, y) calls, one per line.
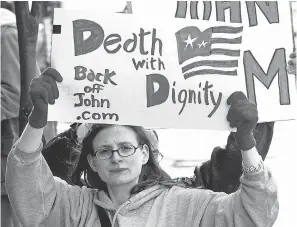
point(62, 152)
point(220, 174)
point(124, 180)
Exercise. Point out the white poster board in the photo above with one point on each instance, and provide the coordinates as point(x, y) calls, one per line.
point(267, 32)
point(160, 72)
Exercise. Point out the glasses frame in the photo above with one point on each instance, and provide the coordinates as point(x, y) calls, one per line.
point(117, 151)
point(159, 154)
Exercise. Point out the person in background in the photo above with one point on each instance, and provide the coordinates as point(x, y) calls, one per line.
point(222, 172)
point(62, 152)
point(10, 101)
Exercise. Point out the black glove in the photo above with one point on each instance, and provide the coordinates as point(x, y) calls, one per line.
point(244, 116)
point(43, 91)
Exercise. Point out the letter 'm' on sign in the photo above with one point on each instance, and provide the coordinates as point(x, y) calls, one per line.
point(277, 66)
point(94, 41)
point(160, 96)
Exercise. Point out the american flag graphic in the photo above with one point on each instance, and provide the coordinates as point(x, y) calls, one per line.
point(215, 50)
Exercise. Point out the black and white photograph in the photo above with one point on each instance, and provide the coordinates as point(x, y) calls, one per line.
point(148, 113)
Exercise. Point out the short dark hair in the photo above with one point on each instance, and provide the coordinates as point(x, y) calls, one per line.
point(151, 173)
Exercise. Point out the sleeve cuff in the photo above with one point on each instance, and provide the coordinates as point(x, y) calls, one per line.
point(258, 174)
point(25, 157)
point(253, 169)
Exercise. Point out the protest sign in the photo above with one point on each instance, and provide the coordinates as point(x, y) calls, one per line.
point(267, 38)
point(166, 72)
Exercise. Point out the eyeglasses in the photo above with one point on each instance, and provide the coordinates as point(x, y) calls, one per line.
point(158, 155)
point(123, 151)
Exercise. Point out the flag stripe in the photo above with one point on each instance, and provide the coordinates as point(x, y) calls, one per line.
point(224, 40)
point(226, 29)
point(210, 58)
point(211, 63)
point(226, 35)
point(225, 52)
point(226, 46)
point(210, 71)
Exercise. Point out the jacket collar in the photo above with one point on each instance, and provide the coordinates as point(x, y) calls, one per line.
point(134, 202)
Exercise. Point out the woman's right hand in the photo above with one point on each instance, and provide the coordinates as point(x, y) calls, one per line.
point(43, 91)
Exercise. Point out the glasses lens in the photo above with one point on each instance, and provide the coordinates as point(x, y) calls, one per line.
point(103, 154)
point(126, 150)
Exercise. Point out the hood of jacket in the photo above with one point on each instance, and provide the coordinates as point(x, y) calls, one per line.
point(134, 202)
point(7, 17)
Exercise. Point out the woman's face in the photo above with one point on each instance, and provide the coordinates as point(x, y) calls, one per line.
point(118, 170)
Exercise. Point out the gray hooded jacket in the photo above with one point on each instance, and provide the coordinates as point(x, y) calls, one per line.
point(40, 199)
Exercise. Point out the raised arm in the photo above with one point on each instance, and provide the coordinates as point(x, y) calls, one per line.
point(255, 203)
point(25, 167)
point(38, 198)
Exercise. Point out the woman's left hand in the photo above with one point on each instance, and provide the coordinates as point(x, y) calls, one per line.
point(244, 116)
